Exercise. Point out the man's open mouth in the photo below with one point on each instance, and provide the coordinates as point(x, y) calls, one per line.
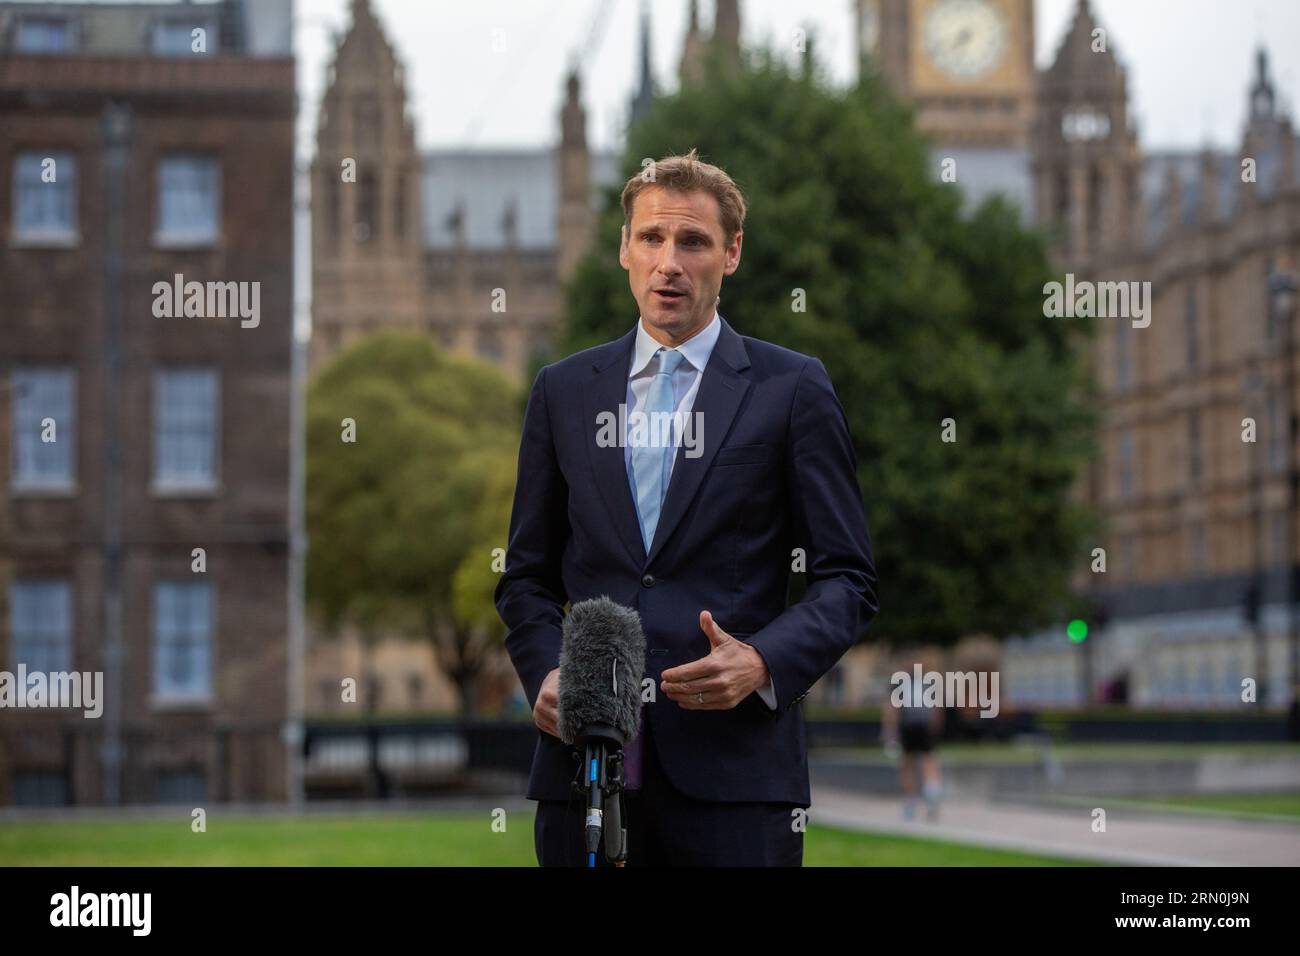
point(670, 294)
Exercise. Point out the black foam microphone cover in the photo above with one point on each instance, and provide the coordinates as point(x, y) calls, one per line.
point(602, 663)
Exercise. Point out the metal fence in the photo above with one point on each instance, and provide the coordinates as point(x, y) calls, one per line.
point(65, 765)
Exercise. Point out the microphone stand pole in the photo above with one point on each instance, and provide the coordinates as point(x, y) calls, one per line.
point(602, 770)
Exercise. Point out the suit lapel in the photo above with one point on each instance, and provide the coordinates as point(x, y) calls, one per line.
point(722, 389)
point(605, 392)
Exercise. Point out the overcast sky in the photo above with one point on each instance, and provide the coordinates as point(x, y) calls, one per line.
point(1189, 61)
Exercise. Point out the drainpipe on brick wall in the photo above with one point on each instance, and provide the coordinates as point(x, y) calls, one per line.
point(116, 131)
point(299, 328)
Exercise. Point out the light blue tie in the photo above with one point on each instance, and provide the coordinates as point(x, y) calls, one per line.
point(650, 459)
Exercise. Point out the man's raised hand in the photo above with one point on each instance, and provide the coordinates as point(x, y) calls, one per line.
point(732, 671)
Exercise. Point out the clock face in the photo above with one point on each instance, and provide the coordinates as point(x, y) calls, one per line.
point(965, 38)
point(1084, 123)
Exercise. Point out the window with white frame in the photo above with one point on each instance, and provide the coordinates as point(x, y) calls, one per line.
point(40, 622)
point(44, 428)
point(41, 34)
point(45, 196)
point(182, 639)
point(189, 200)
point(185, 414)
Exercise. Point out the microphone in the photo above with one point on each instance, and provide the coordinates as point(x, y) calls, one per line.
point(602, 663)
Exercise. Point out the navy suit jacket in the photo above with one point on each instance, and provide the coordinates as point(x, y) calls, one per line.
point(777, 473)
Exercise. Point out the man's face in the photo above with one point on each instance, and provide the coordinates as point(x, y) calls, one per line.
point(676, 254)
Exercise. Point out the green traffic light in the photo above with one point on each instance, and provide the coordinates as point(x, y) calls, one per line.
point(1078, 630)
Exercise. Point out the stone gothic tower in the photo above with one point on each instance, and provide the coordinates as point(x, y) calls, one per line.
point(367, 233)
point(644, 97)
point(723, 43)
point(691, 69)
point(1086, 160)
point(726, 33)
point(575, 212)
point(1265, 124)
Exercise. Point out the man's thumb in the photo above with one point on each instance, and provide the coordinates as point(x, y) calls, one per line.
point(711, 630)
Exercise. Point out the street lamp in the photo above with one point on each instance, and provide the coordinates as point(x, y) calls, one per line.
point(1255, 591)
point(1282, 304)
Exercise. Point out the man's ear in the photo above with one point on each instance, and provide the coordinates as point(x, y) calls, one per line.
point(622, 248)
point(733, 254)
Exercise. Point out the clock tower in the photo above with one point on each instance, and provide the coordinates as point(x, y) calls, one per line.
point(1086, 158)
point(966, 65)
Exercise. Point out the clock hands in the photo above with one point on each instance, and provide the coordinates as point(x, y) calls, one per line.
point(965, 38)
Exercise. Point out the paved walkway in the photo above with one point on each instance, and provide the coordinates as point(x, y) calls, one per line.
point(1131, 837)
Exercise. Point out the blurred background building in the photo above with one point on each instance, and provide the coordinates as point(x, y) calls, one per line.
point(1199, 525)
point(1193, 598)
point(140, 143)
point(175, 433)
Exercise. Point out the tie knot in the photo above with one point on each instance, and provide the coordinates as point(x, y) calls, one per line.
point(669, 359)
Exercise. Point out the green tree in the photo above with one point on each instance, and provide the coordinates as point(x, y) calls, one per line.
point(919, 312)
point(417, 503)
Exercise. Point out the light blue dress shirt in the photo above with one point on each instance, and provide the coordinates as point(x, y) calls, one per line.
point(686, 385)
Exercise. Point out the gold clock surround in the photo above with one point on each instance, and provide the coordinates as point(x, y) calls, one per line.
point(1009, 77)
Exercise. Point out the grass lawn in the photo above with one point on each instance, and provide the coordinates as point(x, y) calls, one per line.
point(405, 840)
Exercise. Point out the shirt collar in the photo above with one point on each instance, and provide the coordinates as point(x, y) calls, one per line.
point(696, 350)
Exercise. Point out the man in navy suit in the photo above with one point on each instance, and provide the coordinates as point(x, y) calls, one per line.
point(696, 525)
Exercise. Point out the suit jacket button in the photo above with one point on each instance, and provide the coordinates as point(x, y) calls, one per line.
point(648, 581)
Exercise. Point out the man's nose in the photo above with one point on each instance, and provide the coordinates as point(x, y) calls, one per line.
point(668, 260)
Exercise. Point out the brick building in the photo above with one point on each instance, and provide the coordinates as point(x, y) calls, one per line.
point(143, 142)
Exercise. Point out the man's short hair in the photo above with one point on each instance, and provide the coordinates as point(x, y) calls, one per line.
point(687, 174)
